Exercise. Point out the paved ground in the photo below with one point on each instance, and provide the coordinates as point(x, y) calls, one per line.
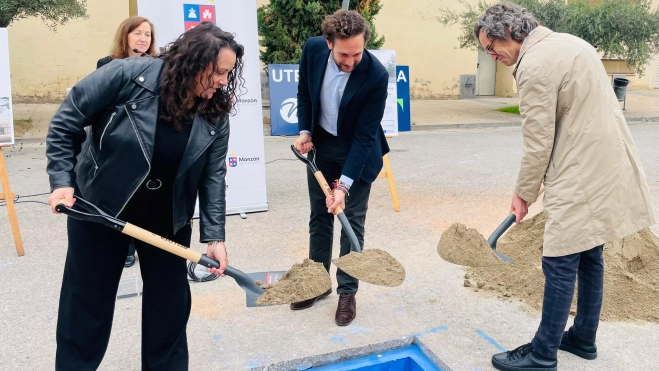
point(442, 177)
point(443, 114)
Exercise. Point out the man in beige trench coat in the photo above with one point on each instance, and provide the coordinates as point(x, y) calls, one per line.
point(577, 142)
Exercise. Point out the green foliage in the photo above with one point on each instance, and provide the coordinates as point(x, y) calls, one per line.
point(53, 12)
point(620, 29)
point(285, 25)
point(509, 109)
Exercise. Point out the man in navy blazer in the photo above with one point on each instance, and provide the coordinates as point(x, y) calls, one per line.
point(342, 91)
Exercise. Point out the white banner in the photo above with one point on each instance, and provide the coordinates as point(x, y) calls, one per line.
point(390, 118)
point(6, 118)
point(246, 191)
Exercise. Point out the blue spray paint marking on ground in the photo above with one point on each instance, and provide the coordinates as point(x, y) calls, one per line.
point(340, 339)
point(217, 337)
point(358, 330)
point(490, 340)
point(431, 331)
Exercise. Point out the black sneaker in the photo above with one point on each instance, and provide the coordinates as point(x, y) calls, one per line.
point(578, 347)
point(523, 359)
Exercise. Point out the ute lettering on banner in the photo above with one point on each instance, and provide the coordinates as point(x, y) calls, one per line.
point(246, 189)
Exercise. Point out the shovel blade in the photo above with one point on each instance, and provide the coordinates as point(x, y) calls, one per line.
point(389, 273)
point(269, 278)
point(504, 258)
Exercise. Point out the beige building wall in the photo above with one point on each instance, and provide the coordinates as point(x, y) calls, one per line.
point(44, 63)
point(429, 48)
point(505, 85)
point(652, 77)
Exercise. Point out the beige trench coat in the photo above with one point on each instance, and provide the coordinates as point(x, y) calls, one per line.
point(577, 141)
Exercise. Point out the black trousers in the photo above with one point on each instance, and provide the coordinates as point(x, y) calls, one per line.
point(330, 159)
point(94, 262)
point(560, 274)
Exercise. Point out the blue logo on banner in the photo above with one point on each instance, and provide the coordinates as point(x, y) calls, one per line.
point(283, 80)
point(194, 14)
point(191, 13)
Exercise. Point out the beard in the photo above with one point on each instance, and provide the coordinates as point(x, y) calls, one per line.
point(341, 67)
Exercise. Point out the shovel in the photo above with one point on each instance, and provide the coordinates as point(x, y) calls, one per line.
point(91, 213)
point(502, 228)
point(338, 211)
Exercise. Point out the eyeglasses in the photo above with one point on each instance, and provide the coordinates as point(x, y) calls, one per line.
point(490, 49)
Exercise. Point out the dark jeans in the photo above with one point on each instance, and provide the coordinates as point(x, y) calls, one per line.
point(560, 274)
point(94, 263)
point(330, 159)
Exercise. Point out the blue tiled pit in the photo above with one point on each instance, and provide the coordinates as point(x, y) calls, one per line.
point(410, 358)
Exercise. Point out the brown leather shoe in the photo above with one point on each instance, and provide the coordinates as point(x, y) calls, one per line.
point(346, 311)
point(310, 302)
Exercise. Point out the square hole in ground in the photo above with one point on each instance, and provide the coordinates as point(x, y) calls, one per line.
point(410, 358)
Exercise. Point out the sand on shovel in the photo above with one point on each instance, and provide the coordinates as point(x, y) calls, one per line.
point(302, 282)
point(374, 266)
point(465, 246)
point(631, 282)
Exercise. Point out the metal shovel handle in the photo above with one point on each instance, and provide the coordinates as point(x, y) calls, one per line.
point(510, 220)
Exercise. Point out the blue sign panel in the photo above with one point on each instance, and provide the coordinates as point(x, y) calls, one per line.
point(283, 98)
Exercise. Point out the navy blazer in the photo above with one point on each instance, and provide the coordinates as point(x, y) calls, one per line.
point(360, 112)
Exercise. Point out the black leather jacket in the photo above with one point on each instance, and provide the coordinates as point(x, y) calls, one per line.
point(110, 161)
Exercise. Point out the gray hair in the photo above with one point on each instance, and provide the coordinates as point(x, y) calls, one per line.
point(505, 19)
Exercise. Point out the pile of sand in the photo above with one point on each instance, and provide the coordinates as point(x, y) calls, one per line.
point(465, 246)
point(302, 282)
point(631, 281)
point(374, 266)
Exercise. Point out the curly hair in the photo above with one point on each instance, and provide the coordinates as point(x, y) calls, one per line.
point(119, 49)
point(184, 60)
point(344, 24)
point(504, 19)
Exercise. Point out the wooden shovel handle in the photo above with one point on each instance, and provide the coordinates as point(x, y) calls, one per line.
point(326, 189)
point(161, 242)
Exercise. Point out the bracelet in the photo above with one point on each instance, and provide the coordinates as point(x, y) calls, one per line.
point(342, 186)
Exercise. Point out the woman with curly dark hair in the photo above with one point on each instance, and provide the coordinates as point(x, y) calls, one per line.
point(159, 137)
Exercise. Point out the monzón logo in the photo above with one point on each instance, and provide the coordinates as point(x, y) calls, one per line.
point(288, 110)
point(233, 159)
